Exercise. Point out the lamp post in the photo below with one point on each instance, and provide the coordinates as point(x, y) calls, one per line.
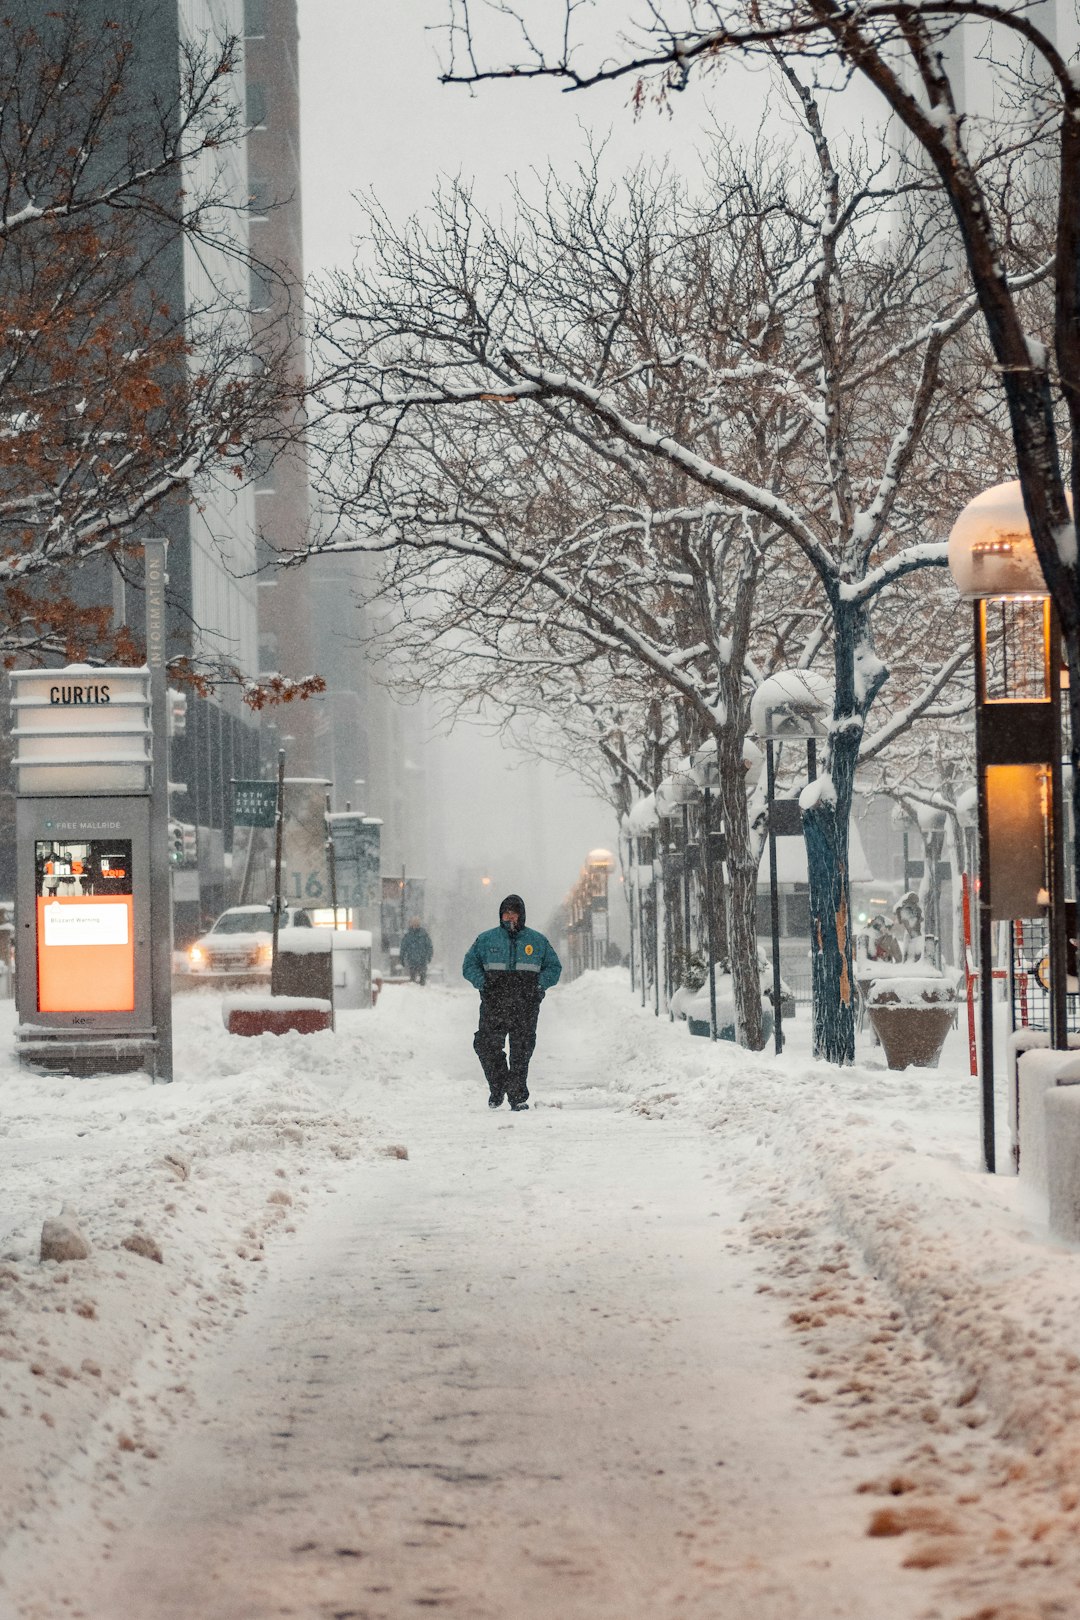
point(1017, 746)
point(792, 704)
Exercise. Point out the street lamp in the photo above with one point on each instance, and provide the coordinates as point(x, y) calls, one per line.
point(1017, 745)
point(792, 704)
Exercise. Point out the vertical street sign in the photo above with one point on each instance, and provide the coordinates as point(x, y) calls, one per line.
point(279, 829)
point(331, 864)
point(154, 553)
point(356, 840)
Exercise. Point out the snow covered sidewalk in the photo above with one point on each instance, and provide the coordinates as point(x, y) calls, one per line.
point(670, 1344)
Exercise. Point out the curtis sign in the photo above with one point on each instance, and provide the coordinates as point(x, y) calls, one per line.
point(98, 693)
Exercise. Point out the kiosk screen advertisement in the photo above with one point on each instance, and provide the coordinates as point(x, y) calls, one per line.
point(85, 926)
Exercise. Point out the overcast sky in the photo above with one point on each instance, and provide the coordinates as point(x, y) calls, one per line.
point(376, 118)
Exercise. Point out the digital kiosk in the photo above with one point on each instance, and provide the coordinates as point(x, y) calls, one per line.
point(83, 924)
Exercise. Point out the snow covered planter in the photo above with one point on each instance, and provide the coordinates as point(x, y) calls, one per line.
point(693, 1005)
point(276, 1015)
point(912, 1008)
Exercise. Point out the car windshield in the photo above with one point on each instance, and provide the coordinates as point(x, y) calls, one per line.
point(244, 922)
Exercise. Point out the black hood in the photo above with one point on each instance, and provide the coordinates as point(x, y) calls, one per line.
point(518, 905)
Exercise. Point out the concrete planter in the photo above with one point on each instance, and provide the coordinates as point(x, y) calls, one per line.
point(910, 1035)
point(279, 1015)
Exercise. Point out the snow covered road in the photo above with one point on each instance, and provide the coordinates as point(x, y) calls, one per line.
point(614, 1357)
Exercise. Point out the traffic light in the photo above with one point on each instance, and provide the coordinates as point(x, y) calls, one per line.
point(183, 844)
point(176, 843)
point(177, 713)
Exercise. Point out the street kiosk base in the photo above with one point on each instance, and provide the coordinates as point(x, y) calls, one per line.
point(83, 1056)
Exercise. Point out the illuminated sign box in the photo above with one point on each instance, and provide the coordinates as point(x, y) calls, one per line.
point(86, 954)
point(81, 730)
point(85, 925)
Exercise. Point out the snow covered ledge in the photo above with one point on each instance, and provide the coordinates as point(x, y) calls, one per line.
point(1048, 1097)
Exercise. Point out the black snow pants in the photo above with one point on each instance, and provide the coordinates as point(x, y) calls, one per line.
point(503, 1017)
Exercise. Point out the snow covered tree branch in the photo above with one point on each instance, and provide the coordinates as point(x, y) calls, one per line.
point(603, 404)
point(905, 52)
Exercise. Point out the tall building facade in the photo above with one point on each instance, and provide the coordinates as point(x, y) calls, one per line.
point(212, 595)
point(230, 597)
point(212, 591)
point(230, 581)
point(282, 496)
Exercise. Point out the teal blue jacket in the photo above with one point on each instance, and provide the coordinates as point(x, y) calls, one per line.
point(497, 952)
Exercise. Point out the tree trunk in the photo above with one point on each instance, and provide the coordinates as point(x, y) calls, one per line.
point(825, 827)
point(741, 890)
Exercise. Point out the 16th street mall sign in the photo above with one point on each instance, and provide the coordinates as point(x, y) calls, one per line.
point(254, 804)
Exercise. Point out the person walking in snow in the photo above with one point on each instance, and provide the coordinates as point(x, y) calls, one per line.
point(512, 967)
point(416, 951)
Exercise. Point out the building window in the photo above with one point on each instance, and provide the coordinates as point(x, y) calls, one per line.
point(258, 196)
point(255, 19)
point(263, 473)
point(268, 653)
point(261, 289)
point(256, 104)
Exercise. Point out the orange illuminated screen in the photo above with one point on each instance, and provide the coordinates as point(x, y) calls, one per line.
point(86, 953)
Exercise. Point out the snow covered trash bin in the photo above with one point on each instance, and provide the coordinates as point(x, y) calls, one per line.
point(305, 965)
